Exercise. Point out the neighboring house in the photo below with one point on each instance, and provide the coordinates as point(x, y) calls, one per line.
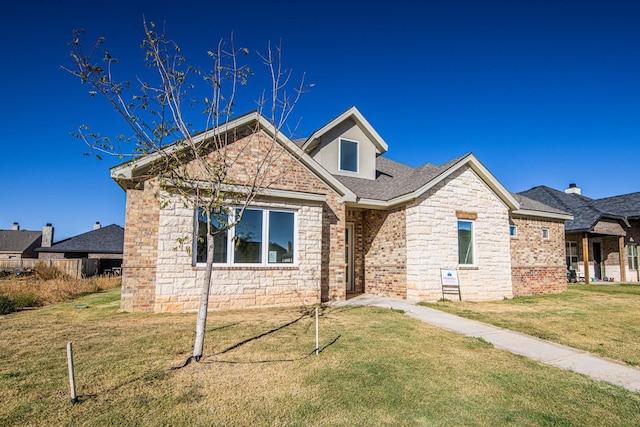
point(19, 244)
point(343, 219)
point(101, 249)
point(607, 230)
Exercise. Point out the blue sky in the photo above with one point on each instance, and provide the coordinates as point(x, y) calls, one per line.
point(543, 92)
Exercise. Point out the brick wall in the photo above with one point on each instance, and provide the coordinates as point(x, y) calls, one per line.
point(538, 264)
point(385, 252)
point(140, 249)
point(432, 240)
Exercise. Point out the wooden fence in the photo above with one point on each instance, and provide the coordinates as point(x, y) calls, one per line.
point(74, 268)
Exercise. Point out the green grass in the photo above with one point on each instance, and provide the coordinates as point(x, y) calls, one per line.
point(379, 367)
point(602, 319)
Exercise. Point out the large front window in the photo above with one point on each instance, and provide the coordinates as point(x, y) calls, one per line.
point(348, 155)
point(632, 255)
point(465, 242)
point(262, 237)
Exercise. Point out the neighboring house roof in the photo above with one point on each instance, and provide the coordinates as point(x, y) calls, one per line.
point(105, 240)
point(17, 241)
point(587, 212)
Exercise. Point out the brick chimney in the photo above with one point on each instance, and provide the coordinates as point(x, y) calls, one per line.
point(15, 226)
point(47, 236)
point(573, 189)
point(97, 225)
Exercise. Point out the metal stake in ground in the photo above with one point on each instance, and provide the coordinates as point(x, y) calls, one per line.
point(72, 381)
point(317, 340)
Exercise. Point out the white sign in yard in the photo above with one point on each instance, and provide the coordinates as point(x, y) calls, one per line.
point(449, 277)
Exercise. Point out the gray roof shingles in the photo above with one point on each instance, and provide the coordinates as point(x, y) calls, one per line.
point(17, 241)
point(394, 179)
point(586, 211)
point(109, 240)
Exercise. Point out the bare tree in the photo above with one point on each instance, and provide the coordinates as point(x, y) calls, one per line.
point(194, 166)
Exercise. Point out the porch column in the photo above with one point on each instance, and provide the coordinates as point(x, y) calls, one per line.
point(623, 260)
point(585, 258)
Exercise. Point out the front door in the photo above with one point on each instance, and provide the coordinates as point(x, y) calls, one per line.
point(348, 257)
point(597, 260)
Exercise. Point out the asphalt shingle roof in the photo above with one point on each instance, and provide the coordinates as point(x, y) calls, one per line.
point(109, 239)
point(394, 179)
point(535, 205)
point(17, 240)
point(586, 211)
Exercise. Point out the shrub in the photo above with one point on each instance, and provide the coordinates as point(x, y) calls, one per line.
point(6, 304)
point(26, 299)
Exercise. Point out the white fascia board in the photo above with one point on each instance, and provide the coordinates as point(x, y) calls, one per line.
point(352, 112)
point(540, 214)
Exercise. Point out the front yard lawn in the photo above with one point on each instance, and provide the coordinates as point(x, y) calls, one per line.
point(379, 367)
point(601, 319)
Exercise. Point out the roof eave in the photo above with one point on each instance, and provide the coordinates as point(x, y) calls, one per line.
point(541, 214)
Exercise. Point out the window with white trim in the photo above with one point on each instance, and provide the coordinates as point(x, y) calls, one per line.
point(513, 230)
point(262, 237)
point(572, 255)
point(465, 242)
point(348, 155)
point(632, 256)
point(545, 233)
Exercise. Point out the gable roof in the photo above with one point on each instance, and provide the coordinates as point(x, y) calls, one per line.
point(106, 240)
point(17, 241)
point(587, 212)
point(125, 173)
point(396, 183)
point(350, 114)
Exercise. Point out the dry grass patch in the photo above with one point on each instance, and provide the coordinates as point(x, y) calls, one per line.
point(379, 367)
point(49, 285)
point(602, 319)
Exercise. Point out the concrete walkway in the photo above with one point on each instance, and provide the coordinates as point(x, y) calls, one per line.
point(561, 356)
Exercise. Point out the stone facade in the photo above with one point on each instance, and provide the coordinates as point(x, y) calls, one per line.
point(158, 271)
point(538, 263)
point(432, 240)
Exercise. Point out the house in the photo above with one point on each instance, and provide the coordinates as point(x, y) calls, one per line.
point(16, 244)
point(340, 219)
point(100, 249)
point(606, 230)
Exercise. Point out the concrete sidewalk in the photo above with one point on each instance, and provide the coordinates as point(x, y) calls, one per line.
point(564, 357)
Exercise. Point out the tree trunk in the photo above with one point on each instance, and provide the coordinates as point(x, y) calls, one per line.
point(201, 323)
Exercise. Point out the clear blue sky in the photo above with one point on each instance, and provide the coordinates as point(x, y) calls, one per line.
point(543, 92)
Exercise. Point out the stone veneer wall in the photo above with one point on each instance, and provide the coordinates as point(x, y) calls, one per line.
point(319, 274)
point(432, 240)
point(140, 250)
point(179, 284)
point(538, 265)
point(385, 252)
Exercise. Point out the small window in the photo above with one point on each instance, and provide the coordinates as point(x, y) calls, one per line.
point(572, 255)
point(513, 230)
point(632, 255)
point(348, 155)
point(545, 233)
point(465, 242)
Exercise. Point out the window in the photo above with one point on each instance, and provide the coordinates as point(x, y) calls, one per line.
point(632, 255)
point(218, 223)
point(348, 155)
point(245, 243)
point(545, 233)
point(572, 255)
point(465, 242)
point(513, 230)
